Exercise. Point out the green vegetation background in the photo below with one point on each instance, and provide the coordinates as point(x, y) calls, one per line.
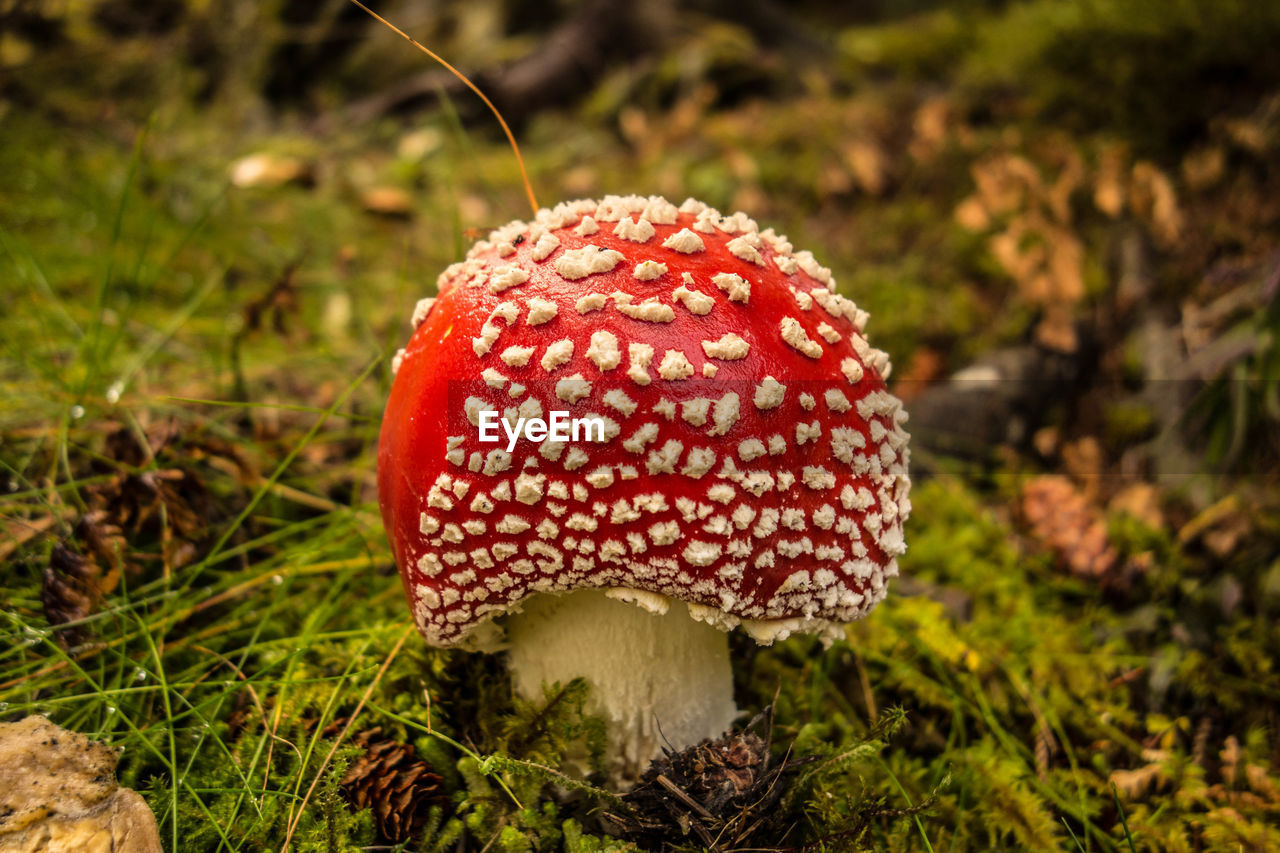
point(196, 349)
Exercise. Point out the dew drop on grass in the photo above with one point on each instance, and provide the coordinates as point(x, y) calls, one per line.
point(277, 579)
point(139, 674)
point(77, 412)
point(111, 709)
point(113, 393)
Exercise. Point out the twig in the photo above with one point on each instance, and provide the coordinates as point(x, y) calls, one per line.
point(680, 795)
point(524, 176)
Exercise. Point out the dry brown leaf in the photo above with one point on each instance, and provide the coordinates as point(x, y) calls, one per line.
point(834, 179)
point(1046, 441)
point(1135, 784)
point(1083, 460)
point(929, 128)
point(926, 366)
point(1260, 782)
point(1019, 250)
point(1070, 178)
point(1203, 168)
point(1110, 182)
point(1057, 330)
point(742, 165)
point(971, 214)
point(1066, 265)
point(867, 162)
point(270, 170)
point(1063, 520)
point(1219, 527)
point(1231, 757)
point(392, 202)
point(1006, 182)
point(1140, 500)
point(1249, 133)
point(19, 531)
point(1153, 199)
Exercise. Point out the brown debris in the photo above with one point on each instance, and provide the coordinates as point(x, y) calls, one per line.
point(280, 302)
point(391, 202)
point(1219, 528)
point(1140, 501)
point(394, 783)
point(1037, 247)
point(1063, 520)
point(722, 793)
point(271, 170)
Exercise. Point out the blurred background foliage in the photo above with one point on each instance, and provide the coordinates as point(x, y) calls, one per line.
point(215, 219)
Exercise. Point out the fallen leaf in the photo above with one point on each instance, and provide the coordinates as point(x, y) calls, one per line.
point(1153, 199)
point(926, 366)
point(270, 170)
point(1083, 459)
point(392, 202)
point(867, 162)
point(1231, 756)
point(1109, 187)
point(929, 128)
point(1203, 168)
point(1062, 519)
point(1046, 441)
point(1057, 330)
point(1135, 784)
point(1219, 527)
point(1141, 501)
point(971, 214)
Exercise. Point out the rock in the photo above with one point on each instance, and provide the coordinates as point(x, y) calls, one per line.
point(61, 795)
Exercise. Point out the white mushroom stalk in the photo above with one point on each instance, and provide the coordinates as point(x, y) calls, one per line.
point(656, 676)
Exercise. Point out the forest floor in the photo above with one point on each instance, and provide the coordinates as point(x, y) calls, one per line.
point(1081, 652)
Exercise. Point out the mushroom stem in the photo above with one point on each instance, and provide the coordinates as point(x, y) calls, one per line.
point(657, 677)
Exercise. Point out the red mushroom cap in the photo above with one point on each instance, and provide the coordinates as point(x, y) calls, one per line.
point(753, 465)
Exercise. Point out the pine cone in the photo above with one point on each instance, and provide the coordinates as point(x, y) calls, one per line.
point(395, 783)
point(68, 592)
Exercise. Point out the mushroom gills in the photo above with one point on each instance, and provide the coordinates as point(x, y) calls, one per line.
point(658, 679)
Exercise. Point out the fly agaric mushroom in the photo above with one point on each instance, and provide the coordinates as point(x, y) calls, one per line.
point(751, 471)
